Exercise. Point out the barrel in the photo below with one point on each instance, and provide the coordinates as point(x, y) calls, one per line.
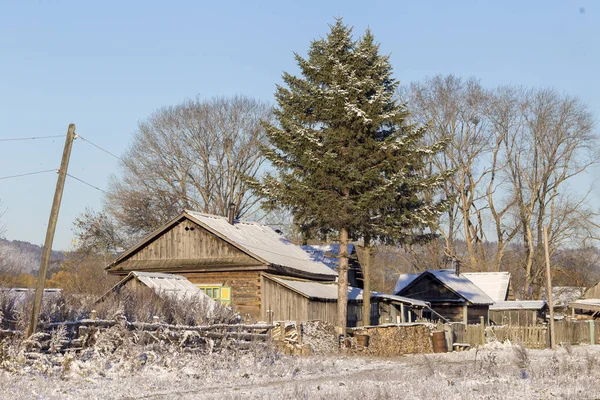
point(362, 340)
point(439, 342)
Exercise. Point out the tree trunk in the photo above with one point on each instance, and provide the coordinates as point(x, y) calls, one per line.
point(366, 266)
point(342, 303)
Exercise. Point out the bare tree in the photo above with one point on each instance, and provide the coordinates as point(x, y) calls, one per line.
point(192, 155)
point(552, 142)
point(453, 110)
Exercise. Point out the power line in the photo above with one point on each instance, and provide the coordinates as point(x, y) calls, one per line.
point(85, 183)
point(29, 173)
point(30, 138)
point(100, 148)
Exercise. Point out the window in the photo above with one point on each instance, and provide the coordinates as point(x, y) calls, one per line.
point(218, 293)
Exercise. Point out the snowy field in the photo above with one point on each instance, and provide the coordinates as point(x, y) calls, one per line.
point(497, 371)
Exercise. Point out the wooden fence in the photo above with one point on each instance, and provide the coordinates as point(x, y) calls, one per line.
point(76, 335)
point(535, 337)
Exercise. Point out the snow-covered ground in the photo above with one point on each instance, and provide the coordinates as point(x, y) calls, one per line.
point(496, 371)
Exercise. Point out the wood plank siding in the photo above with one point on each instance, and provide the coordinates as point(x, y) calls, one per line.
point(185, 247)
point(283, 304)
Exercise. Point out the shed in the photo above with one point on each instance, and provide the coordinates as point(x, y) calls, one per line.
point(451, 296)
point(518, 312)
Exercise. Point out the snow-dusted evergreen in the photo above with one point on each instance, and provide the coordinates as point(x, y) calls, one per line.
point(347, 160)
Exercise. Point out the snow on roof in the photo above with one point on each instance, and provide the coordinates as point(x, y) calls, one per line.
point(461, 285)
point(403, 281)
point(494, 284)
point(326, 253)
point(318, 290)
point(594, 303)
point(518, 305)
point(400, 299)
point(168, 284)
point(263, 242)
point(164, 284)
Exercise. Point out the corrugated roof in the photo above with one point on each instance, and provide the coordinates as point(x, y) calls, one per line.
point(404, 280)
point(318, 290)
point(494, 284)
point(169, 284)
point(163, 284)
point(263, 242)
point(326, 253)
point(518, 305)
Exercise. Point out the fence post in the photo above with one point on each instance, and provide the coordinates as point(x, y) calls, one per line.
point(482, 324)
point(93, 314)
point(591, 322)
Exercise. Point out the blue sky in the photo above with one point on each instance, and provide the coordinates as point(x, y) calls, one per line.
point(107, 65)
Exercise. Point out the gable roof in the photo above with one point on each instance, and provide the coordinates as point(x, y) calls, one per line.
point(458, 284)
point(256, 240)
point(404, 280)
point(494, 284)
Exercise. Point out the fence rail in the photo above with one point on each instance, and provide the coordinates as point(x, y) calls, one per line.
point(533, 336)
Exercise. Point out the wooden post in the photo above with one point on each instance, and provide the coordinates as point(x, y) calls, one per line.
point(402, 317)
point(549, 289)
point(591, 322)
point(465, 315)
point(482, 331)
point(60, 184)
point(366, 268)
point(93, 314)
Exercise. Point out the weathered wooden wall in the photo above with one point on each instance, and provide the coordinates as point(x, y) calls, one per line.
point(452, 312)
point(324, 311)
point(245, 288)
point(514, 317)
point(185, 245)
point(285, 304)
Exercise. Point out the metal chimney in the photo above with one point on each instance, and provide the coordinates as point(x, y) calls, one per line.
point(231, 213)
point(456, 265)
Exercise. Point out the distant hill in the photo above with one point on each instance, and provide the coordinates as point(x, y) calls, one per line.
point(26, 256)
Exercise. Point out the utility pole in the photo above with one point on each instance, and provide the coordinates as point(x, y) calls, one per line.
point(549, 290)
point(60, 184)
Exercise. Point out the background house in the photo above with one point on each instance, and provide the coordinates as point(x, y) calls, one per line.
point(452, 296)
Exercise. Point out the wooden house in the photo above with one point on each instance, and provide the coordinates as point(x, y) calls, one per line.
point(451, 296)
point(218, 254)
point(328, 254)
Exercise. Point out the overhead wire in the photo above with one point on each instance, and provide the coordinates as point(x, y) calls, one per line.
point(86, 183)
point(100, 148)
point(30, 138)
point(26, 174)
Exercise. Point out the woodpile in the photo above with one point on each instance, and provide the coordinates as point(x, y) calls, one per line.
point(288, 338)
point(396, 340)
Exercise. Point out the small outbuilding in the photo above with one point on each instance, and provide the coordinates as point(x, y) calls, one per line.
point(518, 312)
point(588, 304)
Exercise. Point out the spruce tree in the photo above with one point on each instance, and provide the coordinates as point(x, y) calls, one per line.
point(346, 158)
